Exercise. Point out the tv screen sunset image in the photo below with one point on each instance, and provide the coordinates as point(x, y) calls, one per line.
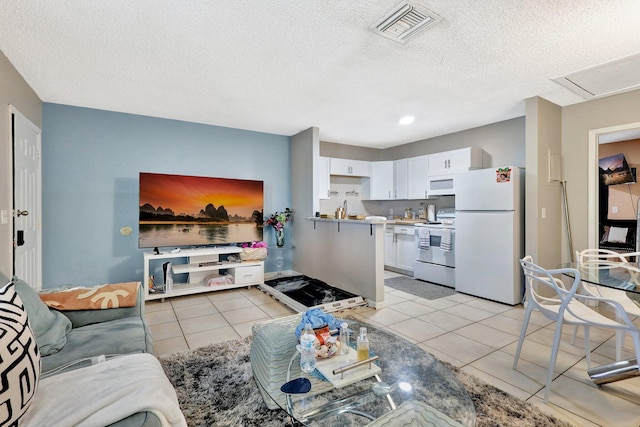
point(181, 210)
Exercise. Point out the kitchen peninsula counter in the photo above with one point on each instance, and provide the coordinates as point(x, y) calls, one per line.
point(370, 221)
point(347, 254)
point(355, 221)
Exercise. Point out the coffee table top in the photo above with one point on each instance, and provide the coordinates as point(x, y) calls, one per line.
point(433, 387)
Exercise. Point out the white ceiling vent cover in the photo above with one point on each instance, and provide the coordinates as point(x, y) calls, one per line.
point(405, 21)
point(606, 79)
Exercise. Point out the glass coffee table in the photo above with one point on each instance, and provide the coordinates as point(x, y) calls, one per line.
point(411, 383)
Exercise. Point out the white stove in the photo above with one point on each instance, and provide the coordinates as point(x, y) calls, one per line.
point(435, 252)
point(445, 218)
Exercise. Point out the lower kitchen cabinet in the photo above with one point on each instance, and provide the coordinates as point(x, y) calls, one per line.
point(399, 247)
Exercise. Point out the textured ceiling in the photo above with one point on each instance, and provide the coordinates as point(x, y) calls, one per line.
point(283, 66)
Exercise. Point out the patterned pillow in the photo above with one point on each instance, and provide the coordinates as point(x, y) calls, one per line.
point(19, 358)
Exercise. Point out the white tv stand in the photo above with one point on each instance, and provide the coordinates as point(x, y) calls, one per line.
point(199, 264)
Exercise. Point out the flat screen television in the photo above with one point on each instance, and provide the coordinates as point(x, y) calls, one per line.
point(615, 170)
point(181, 210)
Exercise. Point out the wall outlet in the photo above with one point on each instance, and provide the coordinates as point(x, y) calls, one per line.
point(614, 209)
point(4, 216)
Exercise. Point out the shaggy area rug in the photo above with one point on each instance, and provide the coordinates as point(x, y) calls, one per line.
point(215, 387)
point(419, 288)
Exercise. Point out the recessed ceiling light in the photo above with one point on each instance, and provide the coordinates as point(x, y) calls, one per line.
point(406, 120)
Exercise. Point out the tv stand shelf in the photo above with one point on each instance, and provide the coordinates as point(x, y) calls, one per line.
point(199, 264)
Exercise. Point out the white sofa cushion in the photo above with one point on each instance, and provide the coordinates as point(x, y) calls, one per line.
point(20, 357)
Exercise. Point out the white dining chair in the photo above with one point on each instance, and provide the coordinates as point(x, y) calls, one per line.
point(563, 307)
point(604, 259)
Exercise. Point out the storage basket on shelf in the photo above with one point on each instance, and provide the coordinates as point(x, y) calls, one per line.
point(253, 254)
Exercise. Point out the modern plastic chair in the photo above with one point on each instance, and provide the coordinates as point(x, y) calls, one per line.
point(563, 308)
point(606, 259)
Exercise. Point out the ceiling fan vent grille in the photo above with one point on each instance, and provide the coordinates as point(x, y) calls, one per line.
point(405, 21)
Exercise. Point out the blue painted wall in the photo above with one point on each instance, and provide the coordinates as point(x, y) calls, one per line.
point(90, 165)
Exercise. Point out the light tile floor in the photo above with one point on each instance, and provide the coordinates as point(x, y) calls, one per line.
point(477, 335)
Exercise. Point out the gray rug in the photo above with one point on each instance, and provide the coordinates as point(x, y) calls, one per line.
point(215, 387)
point(419, 288)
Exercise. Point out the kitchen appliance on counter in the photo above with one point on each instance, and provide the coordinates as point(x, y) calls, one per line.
point(435, 249)
point(489, 233)
point(431, 213)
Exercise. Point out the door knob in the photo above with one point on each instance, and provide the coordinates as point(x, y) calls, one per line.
point(20, 213)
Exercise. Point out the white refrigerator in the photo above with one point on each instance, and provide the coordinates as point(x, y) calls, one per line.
point(490, 233)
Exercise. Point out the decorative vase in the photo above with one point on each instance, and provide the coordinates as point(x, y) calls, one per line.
point(280, 237)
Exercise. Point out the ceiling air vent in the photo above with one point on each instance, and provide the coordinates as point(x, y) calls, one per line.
point(405, 21)
point(606, 79)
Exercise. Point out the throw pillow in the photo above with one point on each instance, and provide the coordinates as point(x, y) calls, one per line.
point(50, 327)
point(19, 358)
point(618, 235)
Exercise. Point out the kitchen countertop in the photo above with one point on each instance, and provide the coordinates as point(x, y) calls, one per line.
point(368, 221)
point(407, 221)
point(352, 221)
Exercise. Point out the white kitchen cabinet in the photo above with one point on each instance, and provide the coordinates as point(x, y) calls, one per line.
point(418, 169)
point(405, 250)
point(454, 161)
point(349, 167)
point(381, 181)
point(390, 246)
point(399, 247)
point(324, 178)
point(401, 179)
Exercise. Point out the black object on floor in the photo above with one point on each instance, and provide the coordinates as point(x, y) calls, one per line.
point(296, 386)
point(308, 291)
point(419, 288)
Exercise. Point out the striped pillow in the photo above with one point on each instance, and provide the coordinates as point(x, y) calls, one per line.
point(19, 358)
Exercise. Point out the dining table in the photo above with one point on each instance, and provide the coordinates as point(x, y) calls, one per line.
point(616, 275)
point(624, 277)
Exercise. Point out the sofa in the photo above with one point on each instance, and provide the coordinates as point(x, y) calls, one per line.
point(74, 340)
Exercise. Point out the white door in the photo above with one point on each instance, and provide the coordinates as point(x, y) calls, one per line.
point(27, 234)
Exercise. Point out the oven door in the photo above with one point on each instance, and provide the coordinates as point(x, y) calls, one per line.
point(435, 254)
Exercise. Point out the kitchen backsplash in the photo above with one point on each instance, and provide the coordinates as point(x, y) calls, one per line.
point(344, 188)
point(351, 189)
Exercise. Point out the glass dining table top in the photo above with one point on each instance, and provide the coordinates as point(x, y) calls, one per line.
point(611, 275)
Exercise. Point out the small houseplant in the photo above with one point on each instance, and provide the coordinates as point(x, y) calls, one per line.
point(277, 220)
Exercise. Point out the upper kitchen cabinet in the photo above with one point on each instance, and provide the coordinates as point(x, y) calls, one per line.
point(444, 166)
point(324, 179)
point(401, 179)
point(454, 161)
point(348, 167)
point(381, 181)
point(418, 169)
